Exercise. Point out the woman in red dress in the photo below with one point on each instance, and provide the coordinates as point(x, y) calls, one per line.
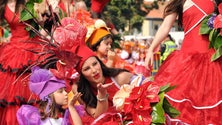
point(197, 79)
point(15, 58)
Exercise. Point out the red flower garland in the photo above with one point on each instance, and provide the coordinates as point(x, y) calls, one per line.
point(138, 103)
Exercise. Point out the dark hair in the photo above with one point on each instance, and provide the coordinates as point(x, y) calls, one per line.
point(218, 2)
point(175, 6)
point(54, 112)
point(95, 46)
point(3, 3)
point(170, 37)
point(85, 88)
point(216, 6)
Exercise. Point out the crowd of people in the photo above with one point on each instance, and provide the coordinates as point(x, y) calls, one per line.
point(69, 71)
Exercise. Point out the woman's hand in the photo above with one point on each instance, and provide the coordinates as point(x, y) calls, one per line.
point(74, 114)
point(149, 59)
point(102, 89)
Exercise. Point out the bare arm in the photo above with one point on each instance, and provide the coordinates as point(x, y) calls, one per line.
point(102, 101)
point(123, 78)
point(74, 114)
point(161, 34)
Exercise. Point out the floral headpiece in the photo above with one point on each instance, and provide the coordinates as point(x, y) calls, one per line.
point(64, 41)
point(212, 25)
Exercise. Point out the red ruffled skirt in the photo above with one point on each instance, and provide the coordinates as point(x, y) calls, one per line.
point(15, 57)
point(198, 81)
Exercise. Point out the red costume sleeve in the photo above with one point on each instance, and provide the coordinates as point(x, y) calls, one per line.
point(98, 5)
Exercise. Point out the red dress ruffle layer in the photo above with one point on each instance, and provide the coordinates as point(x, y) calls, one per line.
point(198, 86)
point(15, 58)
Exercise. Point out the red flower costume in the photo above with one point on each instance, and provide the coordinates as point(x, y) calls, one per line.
point(198, 80)
point(98, 5)
point(15, 58)
point(138, 103)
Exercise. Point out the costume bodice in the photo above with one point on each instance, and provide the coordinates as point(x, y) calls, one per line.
point(18, 32)
point(112, 89)
point(194, 12)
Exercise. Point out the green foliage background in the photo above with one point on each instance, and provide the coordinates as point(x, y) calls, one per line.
point(127, 13)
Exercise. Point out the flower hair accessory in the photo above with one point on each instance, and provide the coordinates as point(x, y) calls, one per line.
point(212, 25)
point(71, 37)
point(43, 82)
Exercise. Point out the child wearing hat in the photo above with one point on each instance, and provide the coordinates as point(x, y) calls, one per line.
point(100, 42)
point(53, 96)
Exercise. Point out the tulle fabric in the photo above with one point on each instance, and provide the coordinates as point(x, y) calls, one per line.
point(15, 58)
point(18, 55)
point(198, 86)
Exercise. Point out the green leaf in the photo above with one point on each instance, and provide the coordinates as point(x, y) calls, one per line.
point(212, 37)
point(27, 12)
point(166, 88)
point(169, 109)
point(204, 29)
point(217, 54)
point(218, 41)
point(116, 44)
point(37, 1)
point(158, 111)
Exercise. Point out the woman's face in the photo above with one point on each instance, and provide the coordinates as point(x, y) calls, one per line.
point(105, 46)
point(92, 71)
point(61, 96)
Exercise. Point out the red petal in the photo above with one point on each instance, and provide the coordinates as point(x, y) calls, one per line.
point(220, 8)
point(218, 22)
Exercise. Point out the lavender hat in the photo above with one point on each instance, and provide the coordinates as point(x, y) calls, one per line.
point(42, 82)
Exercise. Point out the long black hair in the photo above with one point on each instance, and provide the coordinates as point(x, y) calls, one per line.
point(85, 88)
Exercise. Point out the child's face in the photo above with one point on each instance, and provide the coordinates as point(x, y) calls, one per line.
point(105, 46)
point(61, 96)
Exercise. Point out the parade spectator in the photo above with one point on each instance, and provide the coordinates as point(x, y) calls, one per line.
point(167, 47)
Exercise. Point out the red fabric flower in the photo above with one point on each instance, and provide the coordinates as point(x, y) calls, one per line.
point(109, 118)
point(70, 35)
point(218, 23)
point(64, 72)
point(218, 19)
point(138, 103)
